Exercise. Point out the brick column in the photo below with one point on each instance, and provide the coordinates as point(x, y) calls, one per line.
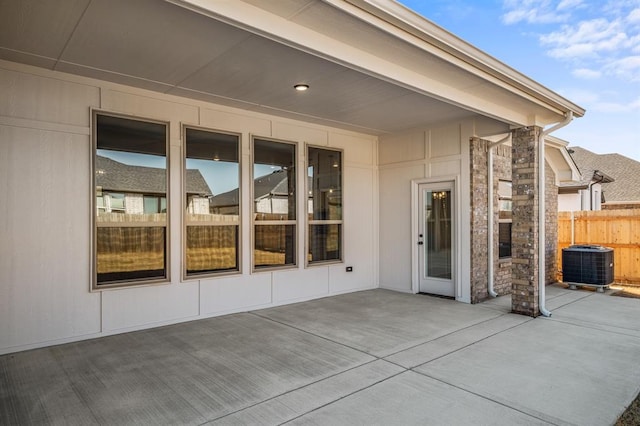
point(479, 188)
point(524, 233)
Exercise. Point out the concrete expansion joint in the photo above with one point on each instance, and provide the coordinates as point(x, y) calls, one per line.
point(310, 333)
point(485, 397)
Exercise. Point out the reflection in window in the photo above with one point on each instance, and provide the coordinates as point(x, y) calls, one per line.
point(504, 218)
point(439, 231)
point(130, 168)
point(212, 197)
point(274, 207)
point(324, 201)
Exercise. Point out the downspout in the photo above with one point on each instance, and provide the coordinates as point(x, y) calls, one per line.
point(542, 237)
point(595, 173)
point(490, 272)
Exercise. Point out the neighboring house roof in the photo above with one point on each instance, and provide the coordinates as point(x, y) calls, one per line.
point(274, 184)
point(620, 175)
point(116, 176)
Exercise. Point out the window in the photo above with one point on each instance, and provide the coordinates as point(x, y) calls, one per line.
point(324, 205)
point(504, 219)
point(130, 184)
point(274, 206)
point(212, 202)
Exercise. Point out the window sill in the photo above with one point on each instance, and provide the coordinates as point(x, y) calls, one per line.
point(122, 286)
point(209, 275)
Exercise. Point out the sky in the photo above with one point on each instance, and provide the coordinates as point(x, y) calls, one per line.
point(588, 51)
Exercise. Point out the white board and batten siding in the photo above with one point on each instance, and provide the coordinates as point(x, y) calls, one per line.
point(431, 154)
point(45, 222)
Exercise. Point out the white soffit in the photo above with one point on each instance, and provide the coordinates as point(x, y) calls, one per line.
point(560, 161)
point(250, 55)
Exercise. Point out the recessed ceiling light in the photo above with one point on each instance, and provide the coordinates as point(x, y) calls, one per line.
point(301, 87)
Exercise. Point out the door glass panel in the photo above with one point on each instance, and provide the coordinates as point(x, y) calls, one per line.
point(438, 233)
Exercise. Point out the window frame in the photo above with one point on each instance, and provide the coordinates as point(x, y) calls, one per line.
point(140, 282)
point(505, 220)
point(308, 222)
point(254, 222)
point(197, 276)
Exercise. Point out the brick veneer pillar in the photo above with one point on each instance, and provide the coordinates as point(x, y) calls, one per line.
point(479, 227)
point(479, 153)
point(524, 233)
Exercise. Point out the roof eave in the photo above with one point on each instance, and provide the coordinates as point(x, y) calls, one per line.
point(405, 19)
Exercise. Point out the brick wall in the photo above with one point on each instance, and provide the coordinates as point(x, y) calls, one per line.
point(478, 166)
point(620, 206)
point(479, 227)
point(524, 236)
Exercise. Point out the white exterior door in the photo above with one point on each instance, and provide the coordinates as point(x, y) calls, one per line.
point(435, 239)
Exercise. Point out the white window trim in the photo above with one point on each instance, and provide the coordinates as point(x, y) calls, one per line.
point(94, 287)
point(253, 220)
point(322, 222)
point(184, 223)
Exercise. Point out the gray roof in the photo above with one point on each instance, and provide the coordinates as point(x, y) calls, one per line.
point(112, 175)
point(274, 184)
point(625, 187)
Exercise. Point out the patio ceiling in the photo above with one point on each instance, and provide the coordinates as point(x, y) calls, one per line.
point(187, 48)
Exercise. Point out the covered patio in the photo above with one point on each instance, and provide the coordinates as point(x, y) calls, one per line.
point(371, 357)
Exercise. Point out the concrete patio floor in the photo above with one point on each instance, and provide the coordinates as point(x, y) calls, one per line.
point(373, 357)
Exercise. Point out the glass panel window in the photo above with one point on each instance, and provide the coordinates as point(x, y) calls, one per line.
point(324, 204)
point(212, 202)
point(439, 231)
point(504, 218)
point(130, 184)
point(274, 206)
point(273, 245)
point(504, 239)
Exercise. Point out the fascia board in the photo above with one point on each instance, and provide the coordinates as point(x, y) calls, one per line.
point(412, 23)
point(281, 30)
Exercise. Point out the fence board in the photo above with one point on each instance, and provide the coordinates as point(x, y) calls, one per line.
point(618, 229)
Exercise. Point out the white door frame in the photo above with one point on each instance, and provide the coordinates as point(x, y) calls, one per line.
point(415, 217)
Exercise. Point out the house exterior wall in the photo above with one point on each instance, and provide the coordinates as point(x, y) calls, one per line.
point(583, 199)
point(435, 154)
point(569, 202)
point(45, 252)
point(430, 153)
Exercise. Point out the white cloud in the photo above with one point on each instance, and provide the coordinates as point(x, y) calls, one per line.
point(569, 4)
point(535, 11)
point(627, 68)
point(634, 16)
point(586, 73)
point(586, 39)
point(597, 39)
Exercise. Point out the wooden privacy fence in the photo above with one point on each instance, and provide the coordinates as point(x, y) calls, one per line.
point(617, 229)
